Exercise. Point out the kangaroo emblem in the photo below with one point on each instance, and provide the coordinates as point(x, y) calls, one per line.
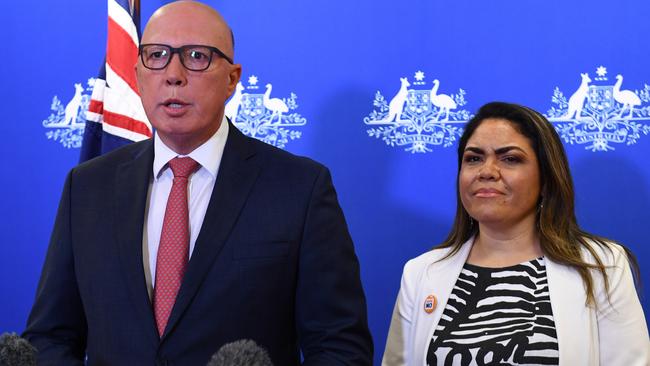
point(72, 108)
point(577, 100)
point(396, 104)
point(233, 104)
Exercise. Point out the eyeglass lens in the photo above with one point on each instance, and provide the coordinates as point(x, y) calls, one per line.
point(195, 58)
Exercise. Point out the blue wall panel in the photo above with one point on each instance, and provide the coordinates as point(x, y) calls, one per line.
point(335, 56)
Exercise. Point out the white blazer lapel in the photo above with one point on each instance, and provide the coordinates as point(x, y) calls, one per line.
point(575, 324)
point(438, 279)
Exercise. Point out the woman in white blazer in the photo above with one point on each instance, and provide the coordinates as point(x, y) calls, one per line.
point(517, 281)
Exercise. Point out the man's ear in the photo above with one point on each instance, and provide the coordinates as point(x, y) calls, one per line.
point(137, 79)
point(233, 77)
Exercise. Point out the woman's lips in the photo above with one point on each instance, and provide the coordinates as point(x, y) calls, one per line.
point(487, 192)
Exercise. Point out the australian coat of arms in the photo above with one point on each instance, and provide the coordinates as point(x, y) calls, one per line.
point(599, 114)
point(418, 119)
point(258, 115)
point(66, 123)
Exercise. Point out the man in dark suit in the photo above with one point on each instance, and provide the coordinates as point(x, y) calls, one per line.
point(258, 249)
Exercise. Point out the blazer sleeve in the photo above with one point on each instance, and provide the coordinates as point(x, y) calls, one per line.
point(622, 330)
point(399, 343)
point(330, 304)
point(57, 324)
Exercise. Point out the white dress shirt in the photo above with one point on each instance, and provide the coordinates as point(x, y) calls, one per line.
point(199, 187)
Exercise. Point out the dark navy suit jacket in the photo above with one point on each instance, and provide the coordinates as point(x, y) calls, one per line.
point(273, 262)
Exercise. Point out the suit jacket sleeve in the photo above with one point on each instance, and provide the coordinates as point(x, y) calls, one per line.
point(330, 304)
point(622, 331)
point(56, 324)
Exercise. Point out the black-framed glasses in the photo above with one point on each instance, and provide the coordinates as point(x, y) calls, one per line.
point(193, 57)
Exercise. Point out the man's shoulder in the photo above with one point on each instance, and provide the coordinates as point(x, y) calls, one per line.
point(275, 158)
point(112, 160)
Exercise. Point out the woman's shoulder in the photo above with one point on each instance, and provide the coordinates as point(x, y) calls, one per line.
point(437, 256)
point(608, 252)
point(429, 257)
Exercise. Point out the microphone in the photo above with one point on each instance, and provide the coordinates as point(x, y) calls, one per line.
point(244, 352)
point(15, 351)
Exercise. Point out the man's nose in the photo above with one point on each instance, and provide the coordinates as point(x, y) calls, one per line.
point(175, 72)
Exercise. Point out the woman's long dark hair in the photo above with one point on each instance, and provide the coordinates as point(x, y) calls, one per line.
point(561, 238)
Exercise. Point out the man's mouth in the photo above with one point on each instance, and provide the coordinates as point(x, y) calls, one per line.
point(174, 103)
point(175, 107)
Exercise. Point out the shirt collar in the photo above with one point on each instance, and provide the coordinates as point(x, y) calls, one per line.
point(208, 154)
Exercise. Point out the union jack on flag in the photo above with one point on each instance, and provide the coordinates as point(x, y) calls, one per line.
point(115, 116)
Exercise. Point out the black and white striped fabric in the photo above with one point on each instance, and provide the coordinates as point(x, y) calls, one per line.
point(497, 316)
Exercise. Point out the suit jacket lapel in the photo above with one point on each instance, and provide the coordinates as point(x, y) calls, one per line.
point(235, 178)
point(131, 187)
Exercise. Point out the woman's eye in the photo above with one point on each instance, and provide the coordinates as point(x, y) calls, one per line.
point(511, 159)
point(471, 158)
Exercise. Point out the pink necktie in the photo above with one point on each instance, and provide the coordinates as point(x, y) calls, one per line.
point(173, 251)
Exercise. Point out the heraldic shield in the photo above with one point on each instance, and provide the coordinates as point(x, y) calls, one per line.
point(600, 99)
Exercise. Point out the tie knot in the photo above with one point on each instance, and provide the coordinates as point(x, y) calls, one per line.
point(183, 167)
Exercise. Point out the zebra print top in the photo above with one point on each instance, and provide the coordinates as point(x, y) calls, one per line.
point(497, 316)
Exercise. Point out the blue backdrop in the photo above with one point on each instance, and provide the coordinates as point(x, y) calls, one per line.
point(338, 65)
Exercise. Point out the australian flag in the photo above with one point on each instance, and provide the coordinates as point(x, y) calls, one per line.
point(115, 116)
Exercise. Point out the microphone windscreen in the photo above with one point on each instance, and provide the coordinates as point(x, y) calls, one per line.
point(241, 353)
point(15, 351)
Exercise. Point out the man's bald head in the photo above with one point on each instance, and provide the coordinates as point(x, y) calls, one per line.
point(186, 105)
point(191, 17)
